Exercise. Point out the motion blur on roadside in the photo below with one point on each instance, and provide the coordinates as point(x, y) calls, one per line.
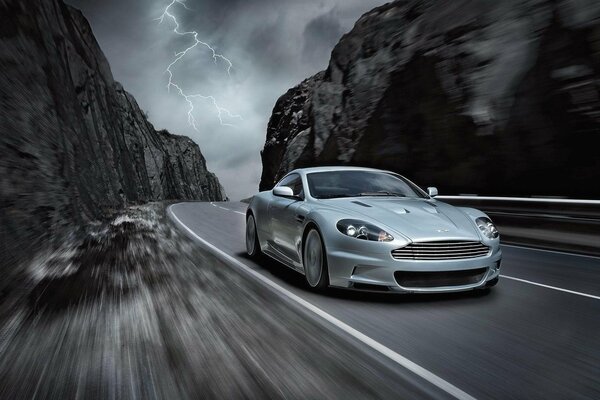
point(132, 309)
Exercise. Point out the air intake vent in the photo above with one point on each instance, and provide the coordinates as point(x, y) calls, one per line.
point(442, 250)
point(368, 286)
point(360, 203)
point(432, 279)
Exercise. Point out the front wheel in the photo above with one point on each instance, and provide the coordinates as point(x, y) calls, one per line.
point(315, 261)
point(252, 243)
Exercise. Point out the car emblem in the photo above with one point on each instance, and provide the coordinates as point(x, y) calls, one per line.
point(442, 230)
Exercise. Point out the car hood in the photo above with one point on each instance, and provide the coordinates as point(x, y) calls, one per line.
point(416, 219)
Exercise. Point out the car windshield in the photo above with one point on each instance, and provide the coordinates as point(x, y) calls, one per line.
point(333, 184)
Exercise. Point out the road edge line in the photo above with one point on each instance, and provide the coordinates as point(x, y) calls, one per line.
point(380, 348)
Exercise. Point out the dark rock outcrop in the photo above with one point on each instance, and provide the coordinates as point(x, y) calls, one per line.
point(73, 143)
point(288, 132)
point(488, 97)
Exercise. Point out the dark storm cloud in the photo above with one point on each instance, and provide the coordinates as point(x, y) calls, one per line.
point(265, 44)
point(326, 30)
point(273, 45)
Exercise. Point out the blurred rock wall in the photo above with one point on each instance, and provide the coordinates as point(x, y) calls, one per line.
point(73, 144)
point(487, 97)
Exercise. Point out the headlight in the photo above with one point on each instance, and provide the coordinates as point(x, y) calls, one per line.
point(486, 227)
point(362, 230)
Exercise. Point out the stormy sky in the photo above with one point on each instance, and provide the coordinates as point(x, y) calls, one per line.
point(272, 44)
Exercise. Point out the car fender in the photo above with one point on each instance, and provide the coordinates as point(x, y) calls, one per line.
point(473, 213)
point(324, 220)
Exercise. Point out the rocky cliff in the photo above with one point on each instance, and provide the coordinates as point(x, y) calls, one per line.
point(488, 97)
point(73, 144)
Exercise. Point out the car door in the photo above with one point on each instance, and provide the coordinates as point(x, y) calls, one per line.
point(285, 222)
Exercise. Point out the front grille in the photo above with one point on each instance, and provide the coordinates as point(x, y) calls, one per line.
point(430, 279)
point(442, 250)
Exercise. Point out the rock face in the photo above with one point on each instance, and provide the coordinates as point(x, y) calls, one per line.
point(487, 97)
point(73, 143)
point(289, 132)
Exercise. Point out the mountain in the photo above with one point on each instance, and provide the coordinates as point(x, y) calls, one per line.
point(487, 97)
point(74, 145)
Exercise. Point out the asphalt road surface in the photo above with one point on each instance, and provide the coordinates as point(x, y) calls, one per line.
point(534, 336)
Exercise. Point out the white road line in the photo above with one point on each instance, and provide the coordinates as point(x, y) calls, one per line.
point(551, 251)
point(386, 351)
point(591, 296)
point(228, 209)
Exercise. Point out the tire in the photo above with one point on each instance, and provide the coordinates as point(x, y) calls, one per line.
point(492, 283)
point(252, 243)
point(314, 260)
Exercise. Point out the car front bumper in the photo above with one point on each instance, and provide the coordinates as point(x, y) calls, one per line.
point(364, 266)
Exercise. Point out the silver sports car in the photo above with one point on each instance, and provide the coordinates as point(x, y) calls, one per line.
point(373, 230)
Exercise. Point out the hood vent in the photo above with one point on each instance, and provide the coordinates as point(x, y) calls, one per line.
point(431, 209)
point(360, 203)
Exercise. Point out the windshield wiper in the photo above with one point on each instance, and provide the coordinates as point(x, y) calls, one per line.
point(378, 193)
point(382, 193)
point(334, 196)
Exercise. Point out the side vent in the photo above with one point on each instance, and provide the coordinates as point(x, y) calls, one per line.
point(360, 203)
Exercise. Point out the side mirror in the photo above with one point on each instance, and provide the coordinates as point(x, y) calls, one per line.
point(283, 191)
point(432, 191)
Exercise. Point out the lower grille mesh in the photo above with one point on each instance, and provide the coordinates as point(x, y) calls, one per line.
point(428, 279)
point(441, 250)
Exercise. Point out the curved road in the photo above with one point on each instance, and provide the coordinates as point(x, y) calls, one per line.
point(534, 336)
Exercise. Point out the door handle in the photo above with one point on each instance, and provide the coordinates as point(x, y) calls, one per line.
point(300, 218)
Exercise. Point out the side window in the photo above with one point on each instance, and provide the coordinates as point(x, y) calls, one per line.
point(295, 183)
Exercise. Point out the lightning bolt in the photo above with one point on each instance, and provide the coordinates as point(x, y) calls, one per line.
point(189, 98)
